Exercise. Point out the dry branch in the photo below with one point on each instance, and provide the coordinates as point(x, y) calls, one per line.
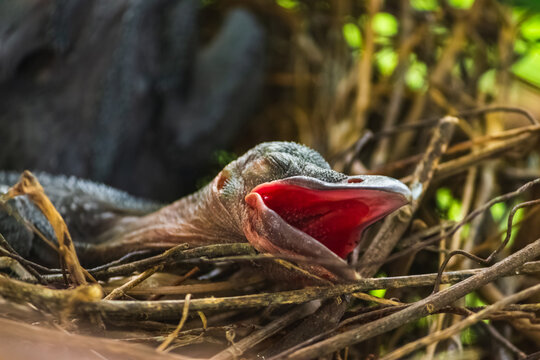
point(456, 328)
point(30, 186)
point(422, 308)
point(395, 225)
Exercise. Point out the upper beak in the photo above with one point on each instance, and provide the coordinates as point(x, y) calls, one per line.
point(367, 182)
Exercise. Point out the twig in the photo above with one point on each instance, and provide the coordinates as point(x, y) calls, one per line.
point(456, 328)
point(120, 291)
point(7, 250)
point(421, 308)
point(179, 281)
point(48, 299)
point(502, 340)
point(168, 309)
point(491, 257)
point(377, 314)
point(40, 296)
point(365, 65)
point(452, 167)
point(395, 225)
point(124, 259)
point(238, 348)
point(174, 334)
point(468, 218)
point(461, 114)
point(462, 146)
point(29, 185)
point(171, 257)
point(196, 288)
point(352, 153)
point(380, 154)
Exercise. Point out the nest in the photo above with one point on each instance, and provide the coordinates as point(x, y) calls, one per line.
point(211, 302)
point(433, 281)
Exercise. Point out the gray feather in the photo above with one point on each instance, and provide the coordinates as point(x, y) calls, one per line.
point(88, 208)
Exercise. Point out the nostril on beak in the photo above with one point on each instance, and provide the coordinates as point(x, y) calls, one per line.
point(355, 180)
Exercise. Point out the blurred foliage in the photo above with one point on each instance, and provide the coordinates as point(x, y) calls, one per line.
point(425, 5)
point(468, 336)
point(448, 205)
point(220, 159)
point(380, 293)
point(447, 53)
point(339, 70)
point(352, 35)
point(288, 4)
point(224, 157)
point(474, 300)
point(385, 24)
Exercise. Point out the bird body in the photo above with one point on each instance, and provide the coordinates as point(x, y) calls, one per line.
point(281, 197)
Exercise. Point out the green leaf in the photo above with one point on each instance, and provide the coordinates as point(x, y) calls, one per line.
point(352, 35)
point(461, 4)
point(386, 60)
point(378, 293)
point(385, 24)
point(472, 300)
point(422, 323)
point(530, 28)
point(454, 212)
point(224, 157)
point(425, 5)
point(518, 217)
point(443, 198)
point(468, 336)
point(288, 4)
point(523, 5)
point(486, 83)
point(416, 75)
point(497, 211)
point(527, 67)
point(465, 230)
point(520, 46)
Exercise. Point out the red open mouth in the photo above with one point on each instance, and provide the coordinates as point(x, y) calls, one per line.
point(334, 216)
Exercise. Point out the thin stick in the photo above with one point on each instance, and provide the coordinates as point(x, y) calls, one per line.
point(183, 278)
point(395, 225)
point(236, 350)
point(120, 291)
point(421, 308)
point(174, 334)
point(458, 327)
point(491, 257)
point(8, 251)
point(462, 114)
point(29, 185)
point(45, 298)
point(468, 218)
point(171, 257)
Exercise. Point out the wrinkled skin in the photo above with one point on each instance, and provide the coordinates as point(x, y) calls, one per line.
point(232, 208)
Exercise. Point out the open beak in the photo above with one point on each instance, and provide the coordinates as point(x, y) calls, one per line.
point(308, 217)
